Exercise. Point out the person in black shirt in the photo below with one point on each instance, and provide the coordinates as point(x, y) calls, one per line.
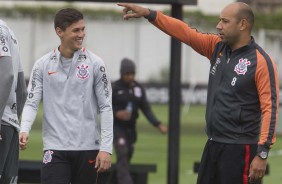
point(128, 97)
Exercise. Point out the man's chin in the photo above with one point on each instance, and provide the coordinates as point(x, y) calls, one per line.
point(78, 47)
point(223, 40)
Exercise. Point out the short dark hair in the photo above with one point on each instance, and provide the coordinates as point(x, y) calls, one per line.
point(67, 16)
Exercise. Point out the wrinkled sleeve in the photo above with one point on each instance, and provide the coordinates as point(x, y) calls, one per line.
point(34, 97)
point(103, 91)
point(202, 43)
point(6, 71)
point(146, 109)
point(268, 90)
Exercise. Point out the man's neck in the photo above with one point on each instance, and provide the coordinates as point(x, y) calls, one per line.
point(244, 41)
point(65, 52)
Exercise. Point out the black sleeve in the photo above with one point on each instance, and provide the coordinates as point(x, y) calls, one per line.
point(21, 93)
point(146, 109)
point(115, 105)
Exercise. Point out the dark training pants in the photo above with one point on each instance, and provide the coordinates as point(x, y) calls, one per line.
point(9, 155)
point(124, 140)
point(76, 167)
point(226, 163)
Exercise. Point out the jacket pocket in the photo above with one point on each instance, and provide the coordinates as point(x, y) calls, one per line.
point(250, 115)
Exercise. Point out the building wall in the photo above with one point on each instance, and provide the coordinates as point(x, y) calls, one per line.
point(112, 41)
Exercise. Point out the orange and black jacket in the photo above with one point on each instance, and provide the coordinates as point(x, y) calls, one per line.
point(242, 102)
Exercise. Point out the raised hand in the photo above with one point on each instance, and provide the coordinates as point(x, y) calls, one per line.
point(133, 11)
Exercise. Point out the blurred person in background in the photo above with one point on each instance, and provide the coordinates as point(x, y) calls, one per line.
point(243, 92)
point(12, 98)
point(128, 97)
point(75, 88)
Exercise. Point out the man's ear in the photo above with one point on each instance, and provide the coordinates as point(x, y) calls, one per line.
point(59, 32)
point(244, 24)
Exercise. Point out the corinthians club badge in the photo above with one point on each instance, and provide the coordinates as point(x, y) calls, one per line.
point(242, 67)
point(82, 71)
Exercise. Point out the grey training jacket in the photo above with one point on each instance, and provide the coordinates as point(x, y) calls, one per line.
point(9, 52)
point(72, 102)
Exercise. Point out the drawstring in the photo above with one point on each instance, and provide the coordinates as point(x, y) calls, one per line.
point(96, 175)
point(97, 178)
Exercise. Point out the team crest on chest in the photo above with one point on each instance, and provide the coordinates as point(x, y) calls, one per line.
point(82, 71)
point(242, 67)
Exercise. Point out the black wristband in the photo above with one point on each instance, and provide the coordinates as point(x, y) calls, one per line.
point(262, 148)
point(152, 16)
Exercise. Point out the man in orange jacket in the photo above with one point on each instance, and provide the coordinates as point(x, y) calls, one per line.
point(242, 100)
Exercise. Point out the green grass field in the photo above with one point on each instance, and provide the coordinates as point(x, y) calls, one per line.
point(152, 147)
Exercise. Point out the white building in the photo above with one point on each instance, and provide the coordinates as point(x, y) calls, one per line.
point(135, 39)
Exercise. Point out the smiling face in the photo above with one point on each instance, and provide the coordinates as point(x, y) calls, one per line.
point(72, 37)
point(69, 26)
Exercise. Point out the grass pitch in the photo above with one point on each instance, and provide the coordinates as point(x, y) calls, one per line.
point(152, 146)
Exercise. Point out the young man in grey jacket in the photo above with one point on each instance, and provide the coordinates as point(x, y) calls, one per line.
point(75, 88)
point(12, 97)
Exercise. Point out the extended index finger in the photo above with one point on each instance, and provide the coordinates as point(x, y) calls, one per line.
point(126, 8)
point(123, 4)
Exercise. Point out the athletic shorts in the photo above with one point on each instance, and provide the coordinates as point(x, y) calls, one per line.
point(9, 155)
point(75, 167)
point(226, 163)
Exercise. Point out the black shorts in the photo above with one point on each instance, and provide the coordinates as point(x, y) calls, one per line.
point(226, 163)
point(9, 155)
point(76, 167)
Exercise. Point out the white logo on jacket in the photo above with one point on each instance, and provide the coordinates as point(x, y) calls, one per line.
point(81, 58)
point(213, 69)
point(47, 156)
point(137, 92)
point(242, 67)
point(83, 71)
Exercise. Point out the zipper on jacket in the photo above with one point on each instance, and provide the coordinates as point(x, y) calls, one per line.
point(229, 58)
point(62, 68)
point(220, 82)
point(70, 69)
